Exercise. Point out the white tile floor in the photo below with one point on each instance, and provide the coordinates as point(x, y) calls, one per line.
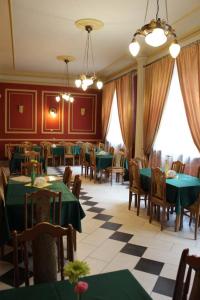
point(103, 253)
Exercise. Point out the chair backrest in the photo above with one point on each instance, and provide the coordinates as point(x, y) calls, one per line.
point(42, 206)
point(111, 150)
point(4, 181)
point(198, 172)
point(188, 264)
point(29, 155)
point(67, 176)
point(134, 175)
point(92, 158)
point(76, 188)
point(26, 168)
point(178, 166)
point(68, 148)
point(101, 146)
point(118, 160)
point(142, 162)
point(158, 184)
point(43, 238)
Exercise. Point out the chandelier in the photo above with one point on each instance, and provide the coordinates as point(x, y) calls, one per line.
point(66, 96)
point(156, 34)
point(88, 76)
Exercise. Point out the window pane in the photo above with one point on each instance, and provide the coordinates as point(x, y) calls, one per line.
point(174, 137)
point(114, 135)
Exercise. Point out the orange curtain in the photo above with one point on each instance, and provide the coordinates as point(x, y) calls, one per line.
point(157, 80)
point(108, 93)
point(125, 108)
point(188, 63)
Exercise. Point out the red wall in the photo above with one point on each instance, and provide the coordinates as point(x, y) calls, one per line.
point(78, 121)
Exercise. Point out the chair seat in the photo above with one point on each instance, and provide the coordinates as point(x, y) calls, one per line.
point(160, 202)
point(135, 190)
point(115, 170)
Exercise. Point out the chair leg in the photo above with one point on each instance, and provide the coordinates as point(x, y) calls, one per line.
point(130, 200)
point(2, 251)
point(150, 212)
point(162, 221)
point(74, 240)
point(196, 225)
point(138, 205)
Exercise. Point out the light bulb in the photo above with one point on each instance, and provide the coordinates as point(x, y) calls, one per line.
point(99, 84)
point(71, 99)
point(78, 83)
point(84, 86)
point(156, 38)
point(174, 49)
point(134, 47)
point(65, 96)
point(57, 98)
point(88, 81)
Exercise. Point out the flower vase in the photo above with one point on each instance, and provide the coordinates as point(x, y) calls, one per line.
point(32, 177)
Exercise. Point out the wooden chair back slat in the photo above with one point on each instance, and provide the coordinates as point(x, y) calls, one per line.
point(178, 166)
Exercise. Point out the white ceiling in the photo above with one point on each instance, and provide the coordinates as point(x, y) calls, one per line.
point(35, 32)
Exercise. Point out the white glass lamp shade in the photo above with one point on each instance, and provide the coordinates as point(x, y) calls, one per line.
point(65, 97)
point(134, 47)
point(78, 83)
point(88, 81)
point(71, 99)
point(156, 38)
point(58, 99)
point(174, 49)
point(99, 84)
point(84, 87)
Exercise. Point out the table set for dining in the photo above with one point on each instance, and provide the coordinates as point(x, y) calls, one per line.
point(13, 219)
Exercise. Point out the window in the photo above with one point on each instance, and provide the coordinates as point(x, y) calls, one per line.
point(174, 136)
point(114, 135)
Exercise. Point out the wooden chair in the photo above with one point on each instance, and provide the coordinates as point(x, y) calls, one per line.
point(4, 181)
point(40, 205)
point(135, 186)
point(142, 162)
point(68, 153)
point(42, 238)
point(2, 216)
point(84, 164)
point(76, 188)
point(111, 150)
point(67, 176)
point(194, 213)
point(48, 155)
point(178, 166)
point(198, 172)
point(26, 168)
point(158, 195)
point(32, 155)
point(117, 167)
point(188, 264)
point(93, 170)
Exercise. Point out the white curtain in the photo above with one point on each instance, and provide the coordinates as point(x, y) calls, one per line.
point(174, 136)
point(114, 135)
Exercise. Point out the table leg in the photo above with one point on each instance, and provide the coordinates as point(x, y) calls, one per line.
point(177, 222)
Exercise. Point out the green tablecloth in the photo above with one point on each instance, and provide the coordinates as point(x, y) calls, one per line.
point(72, 212)
point(102, 161)
point(15, 163)
point(182, 190)
point(118, 285)
point(60, 150)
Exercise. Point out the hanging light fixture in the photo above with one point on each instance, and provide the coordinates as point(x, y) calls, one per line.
point(66, 96)
point(88, 77)
point(156, 34)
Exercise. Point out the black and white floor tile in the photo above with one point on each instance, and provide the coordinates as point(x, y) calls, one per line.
point(115, 238)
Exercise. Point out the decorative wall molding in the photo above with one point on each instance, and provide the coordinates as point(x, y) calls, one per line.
point(31, 119)
point(50, 125)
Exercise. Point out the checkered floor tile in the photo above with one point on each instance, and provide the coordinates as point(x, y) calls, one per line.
point(115, 238)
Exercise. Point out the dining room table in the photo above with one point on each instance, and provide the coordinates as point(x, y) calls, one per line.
point(182, 190)
point(71, 213)
point(102, 160)
point(117, 285)
point(18, 158)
